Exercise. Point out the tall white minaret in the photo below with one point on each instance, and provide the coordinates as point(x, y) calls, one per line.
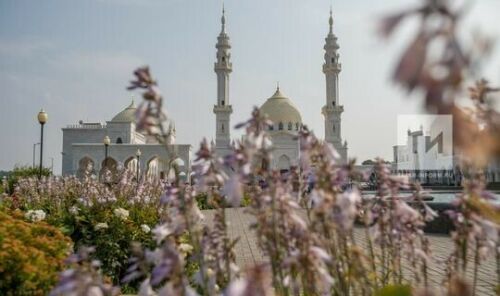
point(223, 67)
point(332, 110)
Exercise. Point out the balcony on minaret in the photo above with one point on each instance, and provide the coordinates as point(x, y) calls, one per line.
point(332, 109)
point(223, 109)
point(333, 68)
point(223, 65)
point(223, 41)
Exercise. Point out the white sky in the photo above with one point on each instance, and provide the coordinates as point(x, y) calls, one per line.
point(75, 58)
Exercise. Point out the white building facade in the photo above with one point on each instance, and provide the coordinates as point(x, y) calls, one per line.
point(84, 151)
point(434, 165)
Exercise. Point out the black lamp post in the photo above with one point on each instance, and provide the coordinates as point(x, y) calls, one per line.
point(34, 146)
point(106, 142)
point(42, 119)
point(138, 155)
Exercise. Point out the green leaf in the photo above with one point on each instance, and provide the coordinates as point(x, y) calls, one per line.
point(394, 290)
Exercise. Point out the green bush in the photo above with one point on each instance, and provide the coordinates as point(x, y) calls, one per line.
point(205, 202)
point(31, 255)
point(84, 210)
point(20, 172)
point(111, 235)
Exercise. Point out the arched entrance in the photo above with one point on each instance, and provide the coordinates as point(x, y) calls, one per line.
point(284, 163)
point(131, 165)
point(109, 170)
point(153, 168)
point(86, 167)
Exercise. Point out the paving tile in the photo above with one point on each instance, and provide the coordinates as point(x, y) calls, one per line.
point(248, 252)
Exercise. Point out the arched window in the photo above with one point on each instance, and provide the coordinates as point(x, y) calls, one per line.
point(290, 126)
point(222, 127)
point(222, 102)
point(296, 126)
point(284, 163)
point(179, 162)
point(85, 167)
point(223, 59)
point(271, 127)
point(119, 140)
point(109, 170)
point(333, 127)
point(280, 126)
point(333, 60)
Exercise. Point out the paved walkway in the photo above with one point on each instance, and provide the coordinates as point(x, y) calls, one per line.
point(248, 252)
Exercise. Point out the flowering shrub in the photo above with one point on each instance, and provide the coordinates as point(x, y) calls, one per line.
point(21, 172)
point(31, 255)
point(94, 214)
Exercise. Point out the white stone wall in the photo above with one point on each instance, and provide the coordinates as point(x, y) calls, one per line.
point(86, 140)
point(284, 143)
point(407, 159)
point(79, 134)
point(123, 152)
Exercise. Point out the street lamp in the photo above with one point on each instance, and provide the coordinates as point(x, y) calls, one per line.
point(106, 142)
point(42, 119)
point(34, 148)
point(138, 154)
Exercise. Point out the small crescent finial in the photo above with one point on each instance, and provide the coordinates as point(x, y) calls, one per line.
point(277, 85)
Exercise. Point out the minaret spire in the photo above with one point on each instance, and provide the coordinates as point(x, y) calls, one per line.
point(333, 109)
point(330, 21)
point(223, 109)
point(223, 19)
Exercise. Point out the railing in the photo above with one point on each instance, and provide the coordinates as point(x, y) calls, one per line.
point(86, 126)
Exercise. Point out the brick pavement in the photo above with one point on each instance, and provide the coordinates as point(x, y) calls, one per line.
point(248, 252)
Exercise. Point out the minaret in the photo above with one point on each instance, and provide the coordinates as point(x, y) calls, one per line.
point(332, 110)
point(223, 67)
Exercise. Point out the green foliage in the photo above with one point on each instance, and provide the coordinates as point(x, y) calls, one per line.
point(395, 290)
point(20, 172)
point(247, 199)
point(3, 174)
point(112, 243)
point(205, 202)
point(202, 199)
point(31, 255)
point(80, 208)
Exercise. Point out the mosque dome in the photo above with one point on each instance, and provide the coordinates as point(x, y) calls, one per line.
point(126, 115)
point(282, 112)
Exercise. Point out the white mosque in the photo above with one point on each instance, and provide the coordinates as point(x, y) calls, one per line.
point(286, 118)
point(83, 148)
